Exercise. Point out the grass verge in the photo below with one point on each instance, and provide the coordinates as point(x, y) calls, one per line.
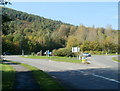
point(114, 58)
point(8, 76)
point(44, 80)
point(56, 58)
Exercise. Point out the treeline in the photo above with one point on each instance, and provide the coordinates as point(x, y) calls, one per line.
point(33, 33)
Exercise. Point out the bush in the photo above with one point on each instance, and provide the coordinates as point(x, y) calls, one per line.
point(33, 53)
point(95, 52)
point(63, 52)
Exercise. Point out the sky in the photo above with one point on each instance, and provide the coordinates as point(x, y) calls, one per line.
point(65, 0)
point(99, 14)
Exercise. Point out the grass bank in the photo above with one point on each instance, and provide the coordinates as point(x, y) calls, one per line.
point(43, 79)
point(115, 59)
point(56, 58)
point(8, 76)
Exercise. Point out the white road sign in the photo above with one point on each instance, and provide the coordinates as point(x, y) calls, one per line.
point(75, 49)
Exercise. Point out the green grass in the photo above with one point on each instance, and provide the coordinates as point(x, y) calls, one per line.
point(8, 76)
point(44, 80)
point(56, 58)
point(114, 58)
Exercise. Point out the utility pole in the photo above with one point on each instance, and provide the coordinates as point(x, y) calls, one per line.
point(2, 2)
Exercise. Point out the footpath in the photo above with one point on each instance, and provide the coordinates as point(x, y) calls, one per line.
point(24, 78)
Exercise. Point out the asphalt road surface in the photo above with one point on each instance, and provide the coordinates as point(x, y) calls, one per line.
point(102, 73)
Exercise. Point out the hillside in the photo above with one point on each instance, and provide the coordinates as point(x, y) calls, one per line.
point(33, 33)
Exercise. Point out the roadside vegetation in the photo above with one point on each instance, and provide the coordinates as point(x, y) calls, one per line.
point(116, 59)
point(8, 76)
point(67, 52)
point(43, 79)
point(56, 58)
point(31, 33)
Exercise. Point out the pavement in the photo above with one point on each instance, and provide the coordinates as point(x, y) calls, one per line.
point(102, 73)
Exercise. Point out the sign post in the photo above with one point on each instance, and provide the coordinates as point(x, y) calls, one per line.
point(76, 50)
point(22, 52)
point(48, 53)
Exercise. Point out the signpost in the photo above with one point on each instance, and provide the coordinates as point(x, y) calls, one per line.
point(76, 50)
point(48, 53)
point(22, 52)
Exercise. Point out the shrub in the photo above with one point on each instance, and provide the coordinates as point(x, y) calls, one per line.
point(33, 53)
point(63, 52)
point(95, 52)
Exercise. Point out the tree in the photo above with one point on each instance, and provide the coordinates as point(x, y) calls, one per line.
point(92, 35)
point(81, 33)
point(34, 33)
point(108, 30)
point(72, 42)
point(63, 31)
point(107, 44)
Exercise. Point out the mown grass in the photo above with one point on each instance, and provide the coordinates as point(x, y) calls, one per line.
point(44, 80)
point(56, 58)
point(8, 76)
point(114, 58)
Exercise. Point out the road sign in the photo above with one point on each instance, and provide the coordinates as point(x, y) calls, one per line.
point(49, 52)
point(75, 49)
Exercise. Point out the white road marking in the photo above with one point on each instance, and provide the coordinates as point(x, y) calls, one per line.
point(106, 78)
point(97, 76)
point(53, 76)
point(50, 60)
point(70, 68)
point(6, 59)
point(80, 71)
point(115, 61)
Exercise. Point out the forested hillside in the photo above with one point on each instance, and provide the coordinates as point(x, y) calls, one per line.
point(33, 33)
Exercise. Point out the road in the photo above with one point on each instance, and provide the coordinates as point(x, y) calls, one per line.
point(102, 73)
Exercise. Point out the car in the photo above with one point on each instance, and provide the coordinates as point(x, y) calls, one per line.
point(86, 54)
point(6, 53)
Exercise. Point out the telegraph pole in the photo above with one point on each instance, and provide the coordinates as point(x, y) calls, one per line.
point(2, 2)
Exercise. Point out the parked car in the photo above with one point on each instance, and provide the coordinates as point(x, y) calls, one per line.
point(6, 53)
point(86, 54)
